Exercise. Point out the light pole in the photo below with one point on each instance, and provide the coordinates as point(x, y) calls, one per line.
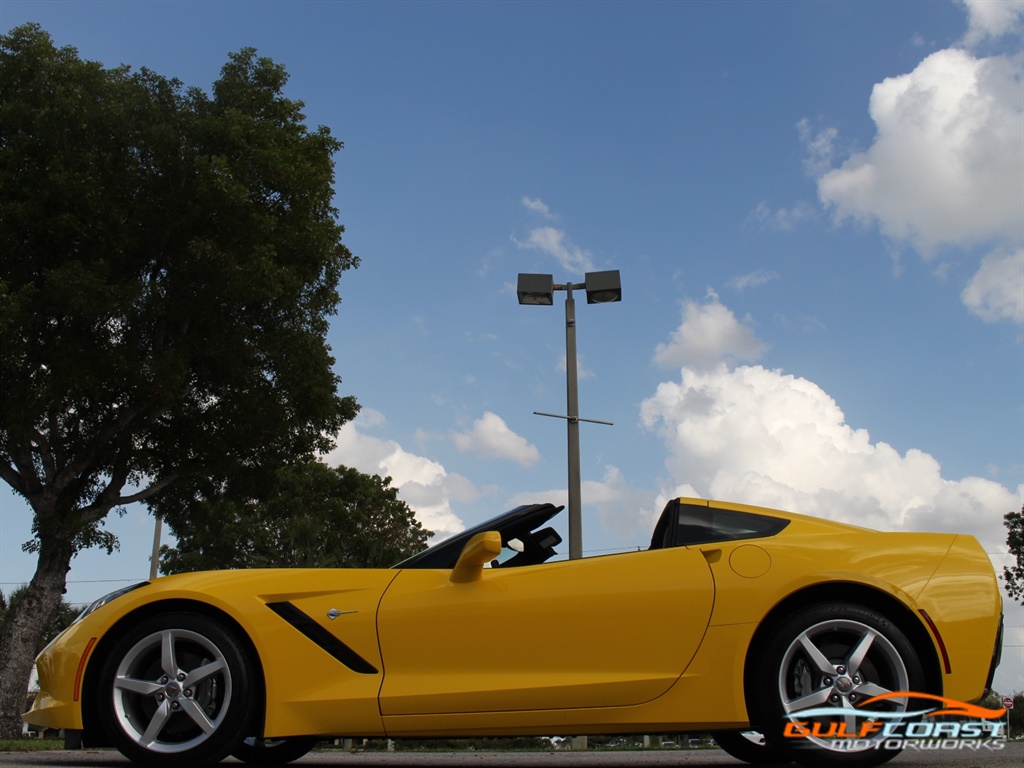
point(154, 560)
point(601, 288)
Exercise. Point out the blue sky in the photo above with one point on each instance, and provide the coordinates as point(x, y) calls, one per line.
point(815, 207)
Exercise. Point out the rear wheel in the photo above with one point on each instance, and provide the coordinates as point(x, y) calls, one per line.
point(175, 690)
point(750, 747)
point(833, 657)
point(273, 751)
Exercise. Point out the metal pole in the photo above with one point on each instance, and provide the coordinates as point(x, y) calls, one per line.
point(572, 410)
point(573, 427)
point(154, 560)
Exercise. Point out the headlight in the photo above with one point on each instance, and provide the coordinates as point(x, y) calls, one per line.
point(107, 598)
point(96, 604)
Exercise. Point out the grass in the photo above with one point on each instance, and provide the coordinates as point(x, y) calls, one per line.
point(30, 745)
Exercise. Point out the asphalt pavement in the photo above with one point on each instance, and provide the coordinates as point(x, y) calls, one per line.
point(1011, 755)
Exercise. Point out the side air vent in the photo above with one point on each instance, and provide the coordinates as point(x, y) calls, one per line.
point(308, 627)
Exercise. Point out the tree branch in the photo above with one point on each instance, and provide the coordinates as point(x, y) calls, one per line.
point(104, 503)
point(88, 456)
point(11, 476)
point(152, 489)
point(46, 457)
point(26, 469)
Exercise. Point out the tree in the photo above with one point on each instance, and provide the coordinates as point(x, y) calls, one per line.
point(1016, 716)
point(170, 261)
point(1013, 575)
point(303, 515)
point(55, 623)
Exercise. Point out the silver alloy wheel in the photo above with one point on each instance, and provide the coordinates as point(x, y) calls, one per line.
point(171, 690)
point(839, 663)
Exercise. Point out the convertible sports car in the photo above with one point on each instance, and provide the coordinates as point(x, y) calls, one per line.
point(736, 619)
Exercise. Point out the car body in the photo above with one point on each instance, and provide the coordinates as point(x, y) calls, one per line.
point(735, 618)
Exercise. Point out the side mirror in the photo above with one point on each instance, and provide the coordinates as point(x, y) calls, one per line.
point(481, 549)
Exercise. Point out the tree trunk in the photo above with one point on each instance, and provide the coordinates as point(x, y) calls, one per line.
point(23, 634)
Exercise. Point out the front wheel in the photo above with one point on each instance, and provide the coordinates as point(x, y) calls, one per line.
point(175, 691)
point(820, 665)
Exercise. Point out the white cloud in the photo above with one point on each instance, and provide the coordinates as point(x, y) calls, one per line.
point(763, 437)
point(996, 292)
point(819, 147)
point(371, 418)
point(491, 437)
point(946, 168)
point(535, 205)
point(753, 279)
point(781, 219)
point(625, 512)
point(422, 483)
point(991, 19)
point(554, 242)
point(947, 165)
point(709, 333)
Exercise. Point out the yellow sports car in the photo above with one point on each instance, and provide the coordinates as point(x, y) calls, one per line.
point(736, 619)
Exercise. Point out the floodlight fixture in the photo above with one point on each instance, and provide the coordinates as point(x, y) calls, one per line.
point(536, 289)
point(603, 287)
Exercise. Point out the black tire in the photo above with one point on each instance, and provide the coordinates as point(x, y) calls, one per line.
point(835, 656)
point(750, 747)
point(175, 691)
point(273, 751)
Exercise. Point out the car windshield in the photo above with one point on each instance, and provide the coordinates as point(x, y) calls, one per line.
point(520, 527)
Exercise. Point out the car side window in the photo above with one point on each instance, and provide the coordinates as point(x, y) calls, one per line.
point(686, 525)
point(705, 525)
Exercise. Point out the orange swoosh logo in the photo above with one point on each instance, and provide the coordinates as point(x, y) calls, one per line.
point(949, 706)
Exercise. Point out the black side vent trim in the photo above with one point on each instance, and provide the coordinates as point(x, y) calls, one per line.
point(307, 626)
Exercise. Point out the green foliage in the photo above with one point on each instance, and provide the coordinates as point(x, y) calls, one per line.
point(482, 744)
point(171, 259)
point(26, 744)
point(1017, 716)
point(59, 620)
point(994, 700)
point(1013, 576)
point(303, 515)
